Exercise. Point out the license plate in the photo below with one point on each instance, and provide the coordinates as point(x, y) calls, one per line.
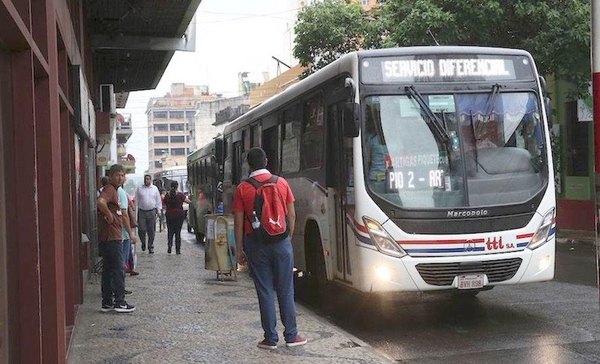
point(470, 281)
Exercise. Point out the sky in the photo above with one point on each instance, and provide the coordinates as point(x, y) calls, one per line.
point(232, 36)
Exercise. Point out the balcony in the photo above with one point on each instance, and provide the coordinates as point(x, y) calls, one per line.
point(124, 128)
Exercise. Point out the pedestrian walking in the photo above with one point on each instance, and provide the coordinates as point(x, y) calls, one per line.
point(263, 228)
point(175, 216)
point(110, 236)
point(148, 201)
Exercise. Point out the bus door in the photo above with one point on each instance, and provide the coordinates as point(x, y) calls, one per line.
point(338, 181)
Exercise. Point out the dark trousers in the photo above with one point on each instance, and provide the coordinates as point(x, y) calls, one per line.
point(272, 269)
point(147, 225)
point(174, 225)
point(113, 282)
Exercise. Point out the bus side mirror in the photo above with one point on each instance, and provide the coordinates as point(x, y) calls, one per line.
point(548, 105)
point(547, 101)
point(351, 119)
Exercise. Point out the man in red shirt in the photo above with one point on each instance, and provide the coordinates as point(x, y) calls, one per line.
point(271, 263)
point(109, 234)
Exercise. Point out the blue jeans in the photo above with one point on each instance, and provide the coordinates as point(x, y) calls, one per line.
point(126, 254)
point(112, 279)
point(271, 267)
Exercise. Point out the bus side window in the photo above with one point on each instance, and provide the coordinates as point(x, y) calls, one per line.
point(312, 133)
point(236, 168)
point(271, 147)
point(255, 135)
point(290, 156)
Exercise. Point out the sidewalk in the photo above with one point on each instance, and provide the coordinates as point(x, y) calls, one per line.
point(570, 236)
point(183, 315)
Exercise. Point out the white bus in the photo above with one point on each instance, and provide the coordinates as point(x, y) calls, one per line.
point(163, 179)
point(205, 176)
point(414, 169)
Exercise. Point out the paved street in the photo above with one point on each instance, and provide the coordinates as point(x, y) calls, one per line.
point(547, 322)
point(183, 315)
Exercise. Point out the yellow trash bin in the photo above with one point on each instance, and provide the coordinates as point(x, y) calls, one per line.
point(220, 254)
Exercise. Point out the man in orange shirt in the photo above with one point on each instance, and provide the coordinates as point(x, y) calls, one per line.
point(271, 263)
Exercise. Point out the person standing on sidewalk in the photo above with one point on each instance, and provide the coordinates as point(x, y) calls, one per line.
point(271, 263)
point(110, 236)
point(175, 215)
point(126, 231)
point(148, 201)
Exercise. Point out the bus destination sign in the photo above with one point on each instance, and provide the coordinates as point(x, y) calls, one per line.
point(437, 68)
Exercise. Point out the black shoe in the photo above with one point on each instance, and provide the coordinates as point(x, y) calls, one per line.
point(169, 250)
point(128, 292)
point(124, 308)
point(151, 251)
point(134, 273)
point(107, 307)
point(143, 247)
point(178, 252)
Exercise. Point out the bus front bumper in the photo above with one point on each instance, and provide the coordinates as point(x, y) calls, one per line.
point(389, 274)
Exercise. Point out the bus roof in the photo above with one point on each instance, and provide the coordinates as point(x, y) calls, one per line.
point(207, 149)
point(405, 51)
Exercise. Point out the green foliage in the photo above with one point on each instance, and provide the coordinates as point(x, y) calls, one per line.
point(327, 30)
point(556, 32)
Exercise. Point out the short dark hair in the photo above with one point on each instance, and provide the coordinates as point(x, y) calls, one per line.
point(115, 168)
point(147, 175)
point(257, 159)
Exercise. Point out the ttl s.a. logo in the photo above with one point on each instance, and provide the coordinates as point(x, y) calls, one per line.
point(497, 244)
point(494, 244)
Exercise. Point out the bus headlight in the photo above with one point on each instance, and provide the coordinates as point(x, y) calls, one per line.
point(541, 235)
point(381, 239)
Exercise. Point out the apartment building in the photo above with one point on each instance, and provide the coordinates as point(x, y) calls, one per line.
point(213, 115)
point(170, 124)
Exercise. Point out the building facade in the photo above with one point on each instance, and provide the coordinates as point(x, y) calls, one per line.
point(55, 56)
point(170, 124)
point(208, 124)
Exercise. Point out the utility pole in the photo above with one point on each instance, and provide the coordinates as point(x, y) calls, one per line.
point(595, 51)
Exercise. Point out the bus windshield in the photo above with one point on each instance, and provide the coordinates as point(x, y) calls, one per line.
point(494, 155)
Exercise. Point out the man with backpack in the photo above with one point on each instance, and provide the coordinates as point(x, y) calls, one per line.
point(264, 219)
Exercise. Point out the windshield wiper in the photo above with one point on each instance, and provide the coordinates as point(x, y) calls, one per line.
point(489, 107)
point(437, 125)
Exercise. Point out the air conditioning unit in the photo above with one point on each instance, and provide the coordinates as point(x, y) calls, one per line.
point(107, 99)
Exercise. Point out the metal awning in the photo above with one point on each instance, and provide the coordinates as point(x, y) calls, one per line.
point(133, 40)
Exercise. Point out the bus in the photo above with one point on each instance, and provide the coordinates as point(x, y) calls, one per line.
point(205, 171)
point(162, 179)
point(414, 169)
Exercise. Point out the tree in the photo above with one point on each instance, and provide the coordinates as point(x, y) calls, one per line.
point(326, 30)
point(555, 32)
